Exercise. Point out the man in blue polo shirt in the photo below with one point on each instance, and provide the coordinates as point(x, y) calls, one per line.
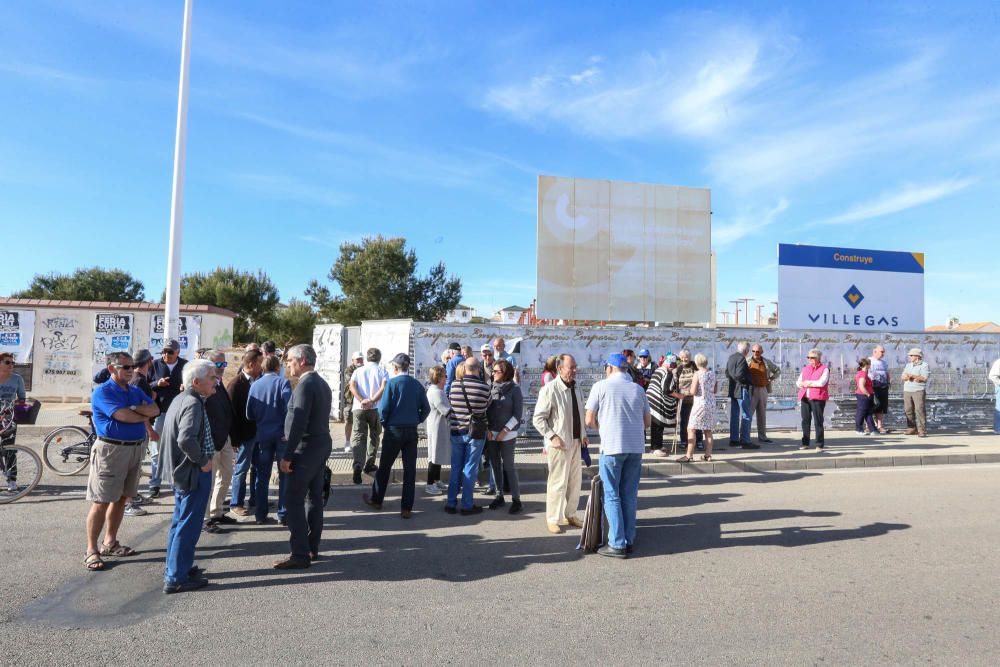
point(618, 408)
point(120, 414)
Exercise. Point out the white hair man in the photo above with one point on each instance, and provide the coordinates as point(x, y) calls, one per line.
point(187, 433)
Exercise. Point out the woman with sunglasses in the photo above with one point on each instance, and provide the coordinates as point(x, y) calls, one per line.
point(814, 392)
point(12, 394)
point(504, 416)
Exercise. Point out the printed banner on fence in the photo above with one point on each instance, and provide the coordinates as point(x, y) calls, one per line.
point(188, 334)
point(112, 333)
point(17, 334)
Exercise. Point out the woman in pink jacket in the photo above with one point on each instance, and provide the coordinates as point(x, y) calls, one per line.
point(814, 392)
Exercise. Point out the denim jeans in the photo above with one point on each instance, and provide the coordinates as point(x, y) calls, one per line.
point(996, 412)
point(466, 454)
point(244, 458)
point(185, 529)
point(739, 416)
point(397, 440)
point(620, 474)
point(268, 452)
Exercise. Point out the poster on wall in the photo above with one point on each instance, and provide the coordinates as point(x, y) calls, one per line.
point(17, 334)
point(112, 333)
point(188, 334)
point(849, 289)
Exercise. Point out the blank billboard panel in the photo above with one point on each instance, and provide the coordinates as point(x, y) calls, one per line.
point(616, 251)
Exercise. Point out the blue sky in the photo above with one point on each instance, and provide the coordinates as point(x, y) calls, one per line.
point(311, 123)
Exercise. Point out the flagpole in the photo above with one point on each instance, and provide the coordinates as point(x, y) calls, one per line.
point(171, 318)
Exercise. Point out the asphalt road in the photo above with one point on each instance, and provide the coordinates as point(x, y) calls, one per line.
point(855, 567)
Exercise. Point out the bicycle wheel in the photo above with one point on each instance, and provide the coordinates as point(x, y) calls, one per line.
point(20, 470)
point(67, 450)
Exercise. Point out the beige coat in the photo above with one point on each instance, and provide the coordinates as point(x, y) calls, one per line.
point(552, 414)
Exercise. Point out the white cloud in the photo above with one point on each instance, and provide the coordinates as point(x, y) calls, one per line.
point(745, 225)
point(671, 91)
point(284, 188)
point(887, 203)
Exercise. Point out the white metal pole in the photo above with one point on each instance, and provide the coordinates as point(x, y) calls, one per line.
point(172, 314)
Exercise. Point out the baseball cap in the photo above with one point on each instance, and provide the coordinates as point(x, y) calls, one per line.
point(141, 357)
point(357, 355)
point(643, 352)
point(916, 352)
point(486, 348)
point(454, 346)
point(401, 359)
point(171, 344)
point(617, 360)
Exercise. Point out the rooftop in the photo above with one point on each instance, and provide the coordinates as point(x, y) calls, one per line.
point(110, 305)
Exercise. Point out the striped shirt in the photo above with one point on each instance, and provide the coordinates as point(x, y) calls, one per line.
point(479, 397)
point(661, 403)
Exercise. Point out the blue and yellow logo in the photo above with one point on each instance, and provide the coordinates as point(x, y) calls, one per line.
point(853, 296)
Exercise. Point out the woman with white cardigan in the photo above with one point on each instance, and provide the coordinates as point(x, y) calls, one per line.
point(438, 431)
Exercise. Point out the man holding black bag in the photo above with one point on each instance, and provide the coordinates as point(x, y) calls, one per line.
point(469, 397)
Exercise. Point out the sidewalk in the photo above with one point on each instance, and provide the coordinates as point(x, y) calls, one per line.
point(844, 449)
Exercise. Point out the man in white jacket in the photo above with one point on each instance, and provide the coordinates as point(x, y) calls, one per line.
point(560, 419)
point(995, 379)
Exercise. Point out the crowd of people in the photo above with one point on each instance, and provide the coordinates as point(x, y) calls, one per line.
point(207, 439)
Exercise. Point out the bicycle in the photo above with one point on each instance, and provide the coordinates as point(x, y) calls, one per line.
point(20, 467)
point(67, 449)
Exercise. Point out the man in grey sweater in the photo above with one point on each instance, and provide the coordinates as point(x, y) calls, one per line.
point(188, 435)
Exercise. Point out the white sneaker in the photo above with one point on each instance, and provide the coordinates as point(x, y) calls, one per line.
point(660, 453)
point(134, 510)
point(432, 490)
point(347, 449)
point(441, 485)
point(11, 487)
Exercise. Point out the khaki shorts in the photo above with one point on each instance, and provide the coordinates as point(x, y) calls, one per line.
point(114, 471)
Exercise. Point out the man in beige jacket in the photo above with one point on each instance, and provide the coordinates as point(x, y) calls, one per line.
point(559, 418)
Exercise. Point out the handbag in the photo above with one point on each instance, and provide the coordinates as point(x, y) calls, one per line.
point(477, 423)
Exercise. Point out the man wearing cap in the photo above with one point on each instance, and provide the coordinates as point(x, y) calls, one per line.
point(486, 362)
point(347, 398)
point(619, 410)
point(220, 417)
point(120, 412)
point(914, 378)
point(402, 407)
point(143, 361)
point(645, 367)
point(559, 417)
point(367, 385)
point(166, 380)
point(457, 359)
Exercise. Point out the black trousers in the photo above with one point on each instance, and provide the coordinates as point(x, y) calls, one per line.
point(304, 501)
point(656, 434)
point(433, 473)
point(397, 440)
point(812, 410)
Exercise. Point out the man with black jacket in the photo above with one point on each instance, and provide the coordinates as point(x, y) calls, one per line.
point(220, 418)
point(738, 373)
point(308, 446)
point(244, 431)
point(166, 380)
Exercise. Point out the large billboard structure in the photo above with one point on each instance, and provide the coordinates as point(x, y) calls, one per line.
point(849, 289)
point(625, 252)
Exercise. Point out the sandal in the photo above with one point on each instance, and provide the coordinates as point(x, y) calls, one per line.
point(117, 549)
point(685, 459)
point(706, 457)
point(93, 562)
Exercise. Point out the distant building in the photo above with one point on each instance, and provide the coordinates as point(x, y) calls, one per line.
point(510, 315)
point(972, 327)
point(460, 315)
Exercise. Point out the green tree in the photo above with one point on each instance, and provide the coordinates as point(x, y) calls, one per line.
point(252, 296)
point(377, 281)
point(93, 284)
point(292, 324)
